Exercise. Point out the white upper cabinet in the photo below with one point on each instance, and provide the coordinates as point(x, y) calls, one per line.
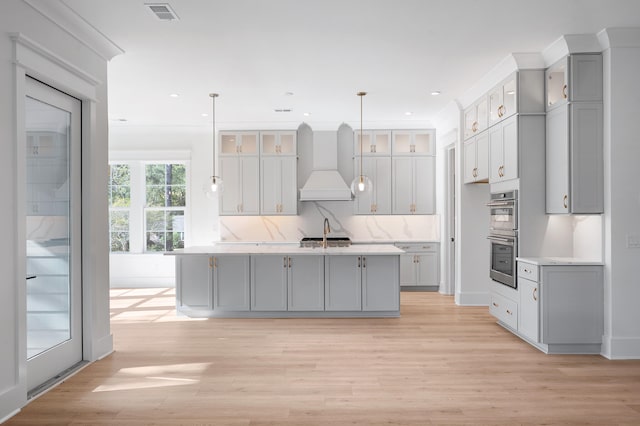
point(575, 177)
point(503, 151)
point(242, 189)
point(503, 100)
point(374, 142)
point(378, 169)
point(575, 78)
point(413, 142)
point(278, 183)
point(238, 143)
point(476, 159)
point(475, 118)
point(279, 143)
point(413, 185)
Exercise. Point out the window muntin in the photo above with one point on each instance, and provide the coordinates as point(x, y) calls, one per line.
point(165, 206)
point(119, 207)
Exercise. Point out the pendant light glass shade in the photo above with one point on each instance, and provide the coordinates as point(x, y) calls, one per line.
point(214, 186)
point(361, 184)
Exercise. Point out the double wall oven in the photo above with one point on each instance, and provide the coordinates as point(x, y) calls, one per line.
point(503, 236)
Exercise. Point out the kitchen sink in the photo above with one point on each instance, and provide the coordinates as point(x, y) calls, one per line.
point(331, 242)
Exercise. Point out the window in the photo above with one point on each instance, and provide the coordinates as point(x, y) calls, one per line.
point(165, 194)
point(119, 204)
point(147, 205)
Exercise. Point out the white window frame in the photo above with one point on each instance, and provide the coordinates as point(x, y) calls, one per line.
point(137, 161)
point(121, 209)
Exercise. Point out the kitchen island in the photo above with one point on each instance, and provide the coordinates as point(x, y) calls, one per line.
point(263, 280)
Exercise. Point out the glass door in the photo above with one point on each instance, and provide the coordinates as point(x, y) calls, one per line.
point(53, 240)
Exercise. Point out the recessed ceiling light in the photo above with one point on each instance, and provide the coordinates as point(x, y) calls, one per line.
point(204, 114)
point(435, 93)
point(408, 113)
point(288, 93)
point(174, 95)
point(306, 114)
point(511, 92)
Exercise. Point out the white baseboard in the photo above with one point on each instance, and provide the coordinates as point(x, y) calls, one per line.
point(142, 282)
point(8, 416)
point(621, 347)
point(472, 299)
point(102, 347)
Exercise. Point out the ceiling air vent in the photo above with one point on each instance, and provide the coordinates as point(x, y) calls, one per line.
point(162, 11)
point(282, 110)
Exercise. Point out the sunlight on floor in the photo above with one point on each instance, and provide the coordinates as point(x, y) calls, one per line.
point(145, 305)
point(154, 376)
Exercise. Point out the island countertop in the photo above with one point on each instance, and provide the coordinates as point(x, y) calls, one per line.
point(288, 248)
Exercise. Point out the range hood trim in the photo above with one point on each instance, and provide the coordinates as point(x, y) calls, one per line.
point(325, 183)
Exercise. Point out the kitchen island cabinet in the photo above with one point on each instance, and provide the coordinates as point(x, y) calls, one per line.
point(286, 280)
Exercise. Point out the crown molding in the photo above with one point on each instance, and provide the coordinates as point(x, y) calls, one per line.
point(619, 37)
point(62, 15)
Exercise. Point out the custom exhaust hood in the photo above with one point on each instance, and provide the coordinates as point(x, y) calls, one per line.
point(325, 182)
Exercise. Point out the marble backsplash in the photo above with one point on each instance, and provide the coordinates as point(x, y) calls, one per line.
point(309, 222)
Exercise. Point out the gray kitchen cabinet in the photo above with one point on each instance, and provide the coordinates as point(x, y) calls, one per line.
point(413, 142)
point(420, 266)
point(476, 118)
point(503, 150)
point(269, 283)
point(476, 159)
point(502, 100)
point(241, 185)
point(278, 143)
point(193, 282)
point(380, 283)
point(370, 283)
point(305, 283)
point(574, 155)
point(278, 185)
point(231, 282)
point(343, 283)
point(239, 169)
point(561, 306)
point(374, 142)
point(281, 283)
point(413, 185)
point(575, 78)
point(378, 169)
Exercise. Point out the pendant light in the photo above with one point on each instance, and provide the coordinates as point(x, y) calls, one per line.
point(361, 184)
point(214, 186)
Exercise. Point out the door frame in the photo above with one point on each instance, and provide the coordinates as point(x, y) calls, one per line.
point(448, 250)
point(32, 59)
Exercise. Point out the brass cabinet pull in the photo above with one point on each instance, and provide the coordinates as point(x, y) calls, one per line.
point(211, 262)
point(358, 261)
point(564, 91)
point(496, 305)
point(509, 312)
point(501, 111)
point(417, 259)
point(564, 201)
point(474, 127)
point(289, 262)
point(364, 262)
point(535, 290)
point(412, 148)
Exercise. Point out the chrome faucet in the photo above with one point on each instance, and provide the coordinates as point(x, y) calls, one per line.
point(325, 231)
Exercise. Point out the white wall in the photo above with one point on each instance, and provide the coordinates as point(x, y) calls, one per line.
point(622, 196)
point(66, 61)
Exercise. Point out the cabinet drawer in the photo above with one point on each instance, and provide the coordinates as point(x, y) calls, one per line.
point(528, 271)
point(505, 310)
point(417, 247)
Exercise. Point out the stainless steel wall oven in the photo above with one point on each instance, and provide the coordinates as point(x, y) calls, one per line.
point(503, 237)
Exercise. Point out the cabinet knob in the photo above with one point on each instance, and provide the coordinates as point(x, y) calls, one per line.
point(496, 305)
point(509, 312)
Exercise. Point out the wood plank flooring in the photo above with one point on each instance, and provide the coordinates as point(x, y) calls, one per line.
point(439, 364)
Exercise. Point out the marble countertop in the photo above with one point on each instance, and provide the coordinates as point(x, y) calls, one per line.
point(289, 248)
point(545, 261)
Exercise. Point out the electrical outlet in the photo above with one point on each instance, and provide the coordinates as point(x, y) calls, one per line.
point(633, 241)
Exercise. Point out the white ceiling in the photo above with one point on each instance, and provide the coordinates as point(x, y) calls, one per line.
point(254, 51)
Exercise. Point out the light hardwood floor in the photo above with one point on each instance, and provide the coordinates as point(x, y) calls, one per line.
point(438, 364)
